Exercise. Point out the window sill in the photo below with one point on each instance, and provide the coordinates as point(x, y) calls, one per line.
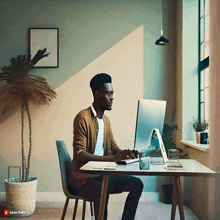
point(193, 144)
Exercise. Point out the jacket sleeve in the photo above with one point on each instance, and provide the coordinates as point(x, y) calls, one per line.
point(79, 134)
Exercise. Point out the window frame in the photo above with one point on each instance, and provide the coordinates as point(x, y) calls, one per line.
point(203, 64)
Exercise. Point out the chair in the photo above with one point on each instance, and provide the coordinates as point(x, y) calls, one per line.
point(65, 169)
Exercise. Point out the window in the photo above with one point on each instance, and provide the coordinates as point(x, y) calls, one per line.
point(204, 59)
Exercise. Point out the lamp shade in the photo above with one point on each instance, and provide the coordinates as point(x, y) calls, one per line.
point(161, 41)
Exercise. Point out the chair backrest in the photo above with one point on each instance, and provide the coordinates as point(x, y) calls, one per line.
point(65, 165)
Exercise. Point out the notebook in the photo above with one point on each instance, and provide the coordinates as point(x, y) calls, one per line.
point(99, 165)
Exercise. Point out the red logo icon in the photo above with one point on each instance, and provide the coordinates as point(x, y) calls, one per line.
point(6, 212)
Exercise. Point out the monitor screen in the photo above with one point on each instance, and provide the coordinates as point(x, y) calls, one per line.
point(150, 115)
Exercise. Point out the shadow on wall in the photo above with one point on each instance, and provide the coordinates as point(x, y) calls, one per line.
point(87, 29)
point(124, 62)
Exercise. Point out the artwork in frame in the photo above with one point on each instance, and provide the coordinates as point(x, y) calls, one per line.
point(40, 38)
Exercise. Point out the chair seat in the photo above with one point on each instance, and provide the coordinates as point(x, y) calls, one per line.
point(73, 196)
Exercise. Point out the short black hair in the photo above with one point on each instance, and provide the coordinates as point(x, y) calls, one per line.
point(98, 80)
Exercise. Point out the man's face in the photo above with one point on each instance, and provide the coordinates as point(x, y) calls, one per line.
point(105, 97)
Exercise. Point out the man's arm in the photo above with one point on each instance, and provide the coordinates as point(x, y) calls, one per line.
point(79, 143)
point(84, 156)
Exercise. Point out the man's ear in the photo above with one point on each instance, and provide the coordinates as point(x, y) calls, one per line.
point(96, 94)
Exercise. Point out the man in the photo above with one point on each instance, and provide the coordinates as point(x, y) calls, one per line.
point(93, 141)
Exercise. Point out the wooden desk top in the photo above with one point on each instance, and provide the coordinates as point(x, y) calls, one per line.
point(192, 168)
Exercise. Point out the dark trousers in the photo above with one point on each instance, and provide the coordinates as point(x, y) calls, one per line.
point(116, 184)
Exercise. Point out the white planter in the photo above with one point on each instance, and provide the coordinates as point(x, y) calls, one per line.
point(21, 196)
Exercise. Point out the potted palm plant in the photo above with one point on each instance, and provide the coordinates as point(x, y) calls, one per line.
point(18, 90)
point(199, 127)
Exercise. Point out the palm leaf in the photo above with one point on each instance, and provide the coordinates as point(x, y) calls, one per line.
point(13, 103)
point(38, 78)
point(22, 88)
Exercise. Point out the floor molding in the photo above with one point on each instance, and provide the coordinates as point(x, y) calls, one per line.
point(60, 197)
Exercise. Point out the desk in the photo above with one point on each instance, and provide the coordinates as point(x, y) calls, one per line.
point(192, 168)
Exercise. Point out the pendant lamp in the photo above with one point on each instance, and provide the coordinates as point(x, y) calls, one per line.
point(162, 40)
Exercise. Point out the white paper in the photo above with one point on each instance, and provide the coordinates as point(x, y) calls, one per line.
point(99, 165)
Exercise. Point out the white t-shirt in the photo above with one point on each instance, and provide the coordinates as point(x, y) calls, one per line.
point(99, 149)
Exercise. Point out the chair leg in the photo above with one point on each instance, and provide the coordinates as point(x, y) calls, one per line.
point(65, 208)
point(75, 209)
point(84, 209)
point(91, 207)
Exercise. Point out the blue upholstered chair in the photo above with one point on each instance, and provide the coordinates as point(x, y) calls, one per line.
point(65, 169)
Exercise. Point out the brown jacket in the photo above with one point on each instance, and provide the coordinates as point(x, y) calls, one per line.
point(85, 132)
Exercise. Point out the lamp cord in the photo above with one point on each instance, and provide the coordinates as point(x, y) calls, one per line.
point(161, 15)
point(161, 31)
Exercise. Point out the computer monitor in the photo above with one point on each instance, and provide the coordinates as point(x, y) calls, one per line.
point(150, 116)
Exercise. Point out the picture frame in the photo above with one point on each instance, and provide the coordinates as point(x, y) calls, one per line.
point(40, 38)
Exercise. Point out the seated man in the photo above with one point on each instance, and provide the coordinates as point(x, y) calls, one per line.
point(93, 141)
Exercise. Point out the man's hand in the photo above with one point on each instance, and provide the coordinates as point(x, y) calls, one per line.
point(135, 153)
point(125, 154)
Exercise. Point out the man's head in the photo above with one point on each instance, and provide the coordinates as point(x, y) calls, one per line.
point(101, 85)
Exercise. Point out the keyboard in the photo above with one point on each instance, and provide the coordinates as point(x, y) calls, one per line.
point(153, 161)
point(128, 161)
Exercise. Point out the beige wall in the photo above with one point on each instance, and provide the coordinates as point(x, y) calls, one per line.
point(54, 122)
point(114, 36)
point(214, 106)
point(199, 193)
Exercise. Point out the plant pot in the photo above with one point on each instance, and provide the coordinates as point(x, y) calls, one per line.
point(198, 134)
point(21, 196)
point(201, 137)
point(167, 193)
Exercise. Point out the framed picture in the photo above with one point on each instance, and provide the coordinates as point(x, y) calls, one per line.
point(40, 38)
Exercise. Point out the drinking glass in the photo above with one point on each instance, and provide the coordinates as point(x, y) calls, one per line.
point(144, 161)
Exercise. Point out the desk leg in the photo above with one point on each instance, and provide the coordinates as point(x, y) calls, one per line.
point(173, 212)
point(103, 197)
point(178, 198)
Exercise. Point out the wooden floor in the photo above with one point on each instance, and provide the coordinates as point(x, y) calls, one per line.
point(145, 211)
